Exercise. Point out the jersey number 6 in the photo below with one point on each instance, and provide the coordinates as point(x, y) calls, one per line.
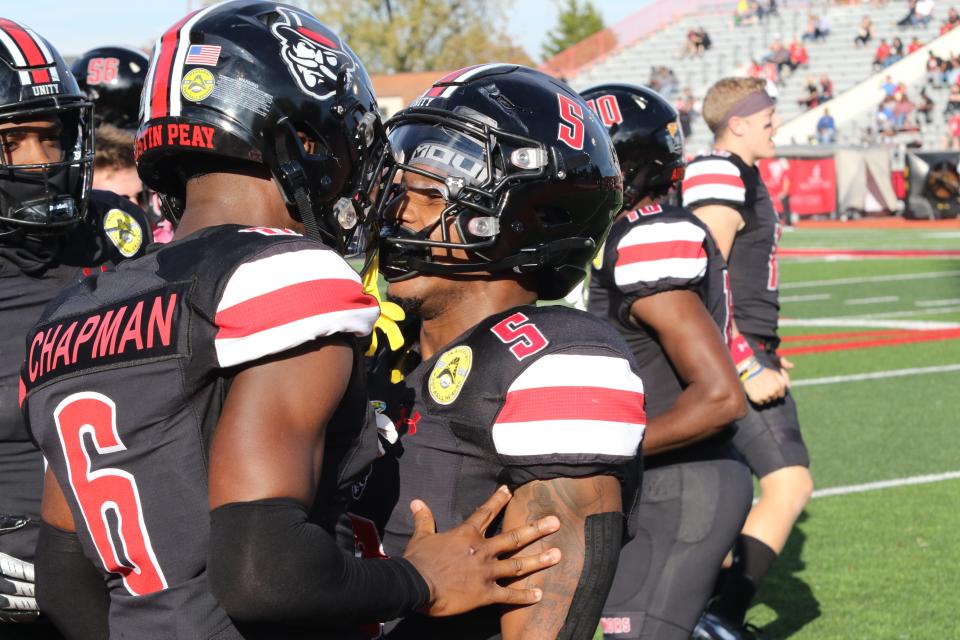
point(123, 547)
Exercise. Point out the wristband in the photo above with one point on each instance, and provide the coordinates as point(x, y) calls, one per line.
point(741, 352)
point(751, 368)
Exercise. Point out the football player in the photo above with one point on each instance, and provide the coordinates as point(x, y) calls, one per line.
point(202, 408)
point(725, 191)
point(504, 186)
point(53, 231)
point(662, 282)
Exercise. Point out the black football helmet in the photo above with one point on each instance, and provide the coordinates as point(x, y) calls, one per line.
point(245, 81)
point(528, 173)
point(112, 77)
point(37, 86)
point(646, 132)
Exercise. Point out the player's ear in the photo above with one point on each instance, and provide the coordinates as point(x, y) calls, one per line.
point(736, 126)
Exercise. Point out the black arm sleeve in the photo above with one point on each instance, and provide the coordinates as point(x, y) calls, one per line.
point(268, 564)
point(70, 590)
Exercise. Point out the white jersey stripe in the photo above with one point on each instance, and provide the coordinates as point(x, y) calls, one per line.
point(662, 232)
point(234, 351)
point(183, 44)
point(708, 167)
point(567, 370)
point(266, 275)
point(567, 437)
point(714, 192)
point(654, 270)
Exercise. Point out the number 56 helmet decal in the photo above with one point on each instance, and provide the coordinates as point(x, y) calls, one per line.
point(528, 175)
point(256, 81)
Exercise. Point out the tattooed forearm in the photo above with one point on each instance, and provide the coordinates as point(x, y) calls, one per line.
point(571, 500)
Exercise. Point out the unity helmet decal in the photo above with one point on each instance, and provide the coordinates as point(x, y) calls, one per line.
point(313, 59)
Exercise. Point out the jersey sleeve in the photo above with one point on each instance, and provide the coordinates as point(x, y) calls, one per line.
point(572, 413)
point(288, 296)
point(660, 256)
point(713, 180)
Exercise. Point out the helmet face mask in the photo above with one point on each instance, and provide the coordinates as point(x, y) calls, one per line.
point(518, 195)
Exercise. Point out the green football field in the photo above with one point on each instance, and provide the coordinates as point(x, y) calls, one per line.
point(876, 344)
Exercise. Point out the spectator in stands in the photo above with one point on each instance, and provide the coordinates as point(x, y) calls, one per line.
point(935, 75)
point(810, 33)
point(823, 28)
point(826, 128)
point(778, 55)
point(924, 12)
point(826, 88)
point(881, 55)
point(697, 42)
point(885, 117)
point(953, 102)
point(889, 86)
point(745, 14)
point(755, 70)
point(687, 109)
point(798, 55)
point(811, 97)
point(865, 33)
point(896, 52)
point(953, 19)
point(911, 18)
point(952, 139)
point(902, 110)
point(925, 106)
point(915, 45)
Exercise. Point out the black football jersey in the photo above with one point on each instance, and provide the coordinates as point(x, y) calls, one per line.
point(723, 178)
point(530, 393)
point(125, 379)
point(32, 271)
point(649, 251)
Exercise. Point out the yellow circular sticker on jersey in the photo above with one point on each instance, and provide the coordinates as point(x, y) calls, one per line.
point(449, 374)
point(197, 84)
point(124, 232)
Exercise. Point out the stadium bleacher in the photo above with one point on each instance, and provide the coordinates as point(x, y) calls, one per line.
point(735, 46)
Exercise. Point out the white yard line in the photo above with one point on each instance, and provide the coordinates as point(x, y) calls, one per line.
point(875, 375)
point(876, 300)
point(886, 484)
point(906, 313)
point(937, 303)
point(861, 280)
point(859, 321)
point(808, 298)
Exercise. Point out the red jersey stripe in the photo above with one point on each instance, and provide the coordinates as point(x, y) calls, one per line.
point(660, 251)
point(712, 178)
point(159, 101)
point(572, 403)
point(289, 304)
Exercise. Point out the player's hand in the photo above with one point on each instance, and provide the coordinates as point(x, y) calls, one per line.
point(462, 567)
point(785, 366)
point(17, 600)
point(765, 387)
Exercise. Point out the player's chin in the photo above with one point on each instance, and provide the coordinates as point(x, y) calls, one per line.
point(409, 293)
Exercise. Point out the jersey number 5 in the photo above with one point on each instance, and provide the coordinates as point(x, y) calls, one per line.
point(526, 338)
point(122, 543)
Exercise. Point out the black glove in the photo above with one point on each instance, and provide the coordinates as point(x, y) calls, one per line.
point(17, 600)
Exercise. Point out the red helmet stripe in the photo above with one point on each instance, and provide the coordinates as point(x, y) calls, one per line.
point(30, 50)
point(316, 37)
point(159, 100)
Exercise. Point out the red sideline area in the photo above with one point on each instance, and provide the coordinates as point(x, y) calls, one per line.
point(867, 340)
